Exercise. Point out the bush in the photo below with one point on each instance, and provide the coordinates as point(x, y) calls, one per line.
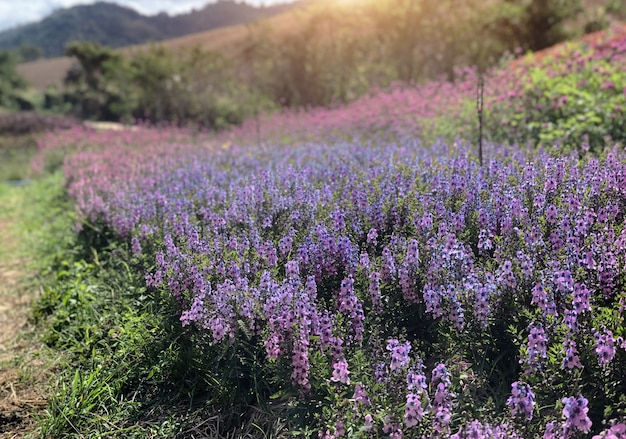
point(573, 99)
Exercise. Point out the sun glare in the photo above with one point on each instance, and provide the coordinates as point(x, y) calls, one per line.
point(349, 2)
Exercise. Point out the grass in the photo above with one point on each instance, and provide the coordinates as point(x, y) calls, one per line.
point(26, 368)
point(16, 153)
point(130, 371)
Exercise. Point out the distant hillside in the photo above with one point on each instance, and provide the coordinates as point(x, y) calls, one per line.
point(230, 41)
point(117, 26)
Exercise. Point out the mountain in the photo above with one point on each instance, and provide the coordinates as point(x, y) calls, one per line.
point(117, 26)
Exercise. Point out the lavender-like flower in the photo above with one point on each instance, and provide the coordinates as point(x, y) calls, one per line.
point(399, 354)
point(575, 412)
point(341, 372)
point(522, 400)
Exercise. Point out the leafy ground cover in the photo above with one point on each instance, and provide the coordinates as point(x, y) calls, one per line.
point(348, 276)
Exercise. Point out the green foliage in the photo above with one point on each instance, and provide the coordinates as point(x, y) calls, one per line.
point(583, 108)
point(129, 368)
point(89, 82)
point(107, 336)
point(29, 52)
point(159, 86)
point(618, 8)
point(16, 152)
point(429, 38)
point(338, 53)
point(11, 81)
point(341, 51)
point(196, 86)
point(328, 60)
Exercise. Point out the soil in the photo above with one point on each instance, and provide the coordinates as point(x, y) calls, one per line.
point(22, 377)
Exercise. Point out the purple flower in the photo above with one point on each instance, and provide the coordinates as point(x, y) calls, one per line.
point(575, 411)
point(364, 261)
point(416, 382)
point(399, 354)
point(522, 400)
point(341, 372)
point(537, 346)
point(374, 291)
point(388, 269)
point(571, 359)
point(605, 346)
point(340, 429)
point(360, 396)
point(372, 236)
point(412, 253)
point(369, 423)
point(617, 431)
point(552, 431)
point(413, 411)
point(581, 296)
point(135, 246)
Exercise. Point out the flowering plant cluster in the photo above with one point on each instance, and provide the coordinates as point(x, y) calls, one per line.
point(364, 269)
point(570, 97)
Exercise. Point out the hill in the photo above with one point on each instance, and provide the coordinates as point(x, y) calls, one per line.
point(230, 41)
point(116, 26)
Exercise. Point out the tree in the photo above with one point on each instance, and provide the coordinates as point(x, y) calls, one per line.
point(10, 80)
point(94, 84)
point(532, 24)
point(29, 52)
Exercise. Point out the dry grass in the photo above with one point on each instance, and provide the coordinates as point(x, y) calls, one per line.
point(22, 377)
point(44, 73)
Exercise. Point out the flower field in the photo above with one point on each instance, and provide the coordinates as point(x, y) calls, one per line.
point(386, 282)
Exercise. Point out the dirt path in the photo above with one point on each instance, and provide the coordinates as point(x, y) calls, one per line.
point(21, 373)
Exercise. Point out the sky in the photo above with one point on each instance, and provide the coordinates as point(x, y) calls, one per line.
point(16, 12)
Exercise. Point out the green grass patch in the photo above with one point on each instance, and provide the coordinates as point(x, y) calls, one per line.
point(16, 153)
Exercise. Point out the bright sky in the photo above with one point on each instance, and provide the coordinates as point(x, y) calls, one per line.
point(16, 12)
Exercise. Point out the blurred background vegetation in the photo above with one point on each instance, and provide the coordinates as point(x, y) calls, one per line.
point(337, 52)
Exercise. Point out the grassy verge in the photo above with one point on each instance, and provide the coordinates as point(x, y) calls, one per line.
point(130, 370)
point(30, 224)
point(15, 155)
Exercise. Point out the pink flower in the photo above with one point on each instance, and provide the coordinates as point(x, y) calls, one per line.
point(618, 431)
point(413, 412)
point(341, 372)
